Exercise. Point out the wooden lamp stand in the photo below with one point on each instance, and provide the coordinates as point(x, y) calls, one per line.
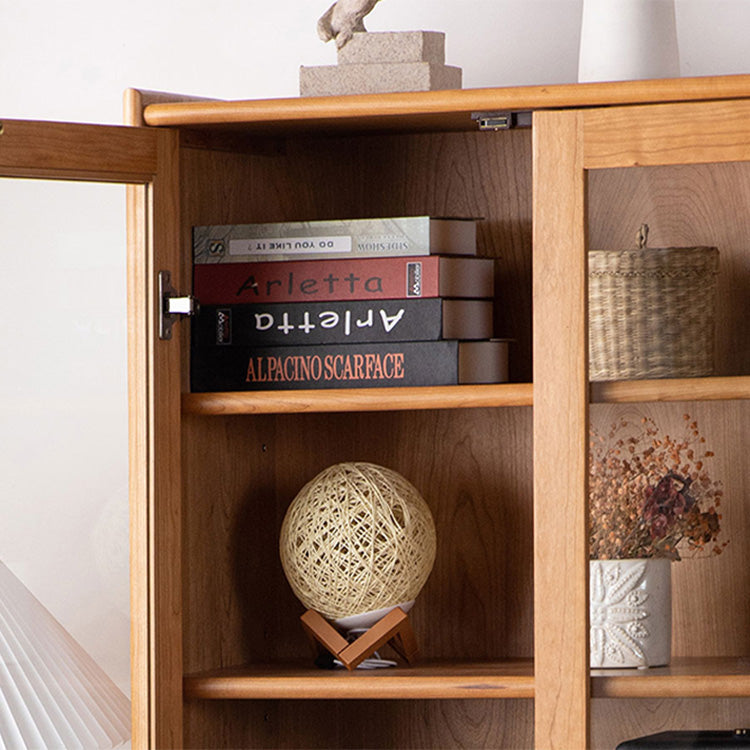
point(393, 628)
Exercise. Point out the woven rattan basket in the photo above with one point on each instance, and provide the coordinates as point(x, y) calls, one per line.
point(651, 312)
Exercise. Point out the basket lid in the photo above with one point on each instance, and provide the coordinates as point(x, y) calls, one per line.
point(697, 260)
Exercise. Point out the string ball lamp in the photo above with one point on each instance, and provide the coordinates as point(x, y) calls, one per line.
point(357, 541)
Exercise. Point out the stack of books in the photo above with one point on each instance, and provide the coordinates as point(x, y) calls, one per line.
point(343, 304)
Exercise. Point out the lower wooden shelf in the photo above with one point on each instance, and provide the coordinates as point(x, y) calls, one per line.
point(426, 680)
point(683, 678)
point(435, 680)
point(358, 399)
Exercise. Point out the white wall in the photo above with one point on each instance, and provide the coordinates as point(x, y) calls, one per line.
point(64, 465)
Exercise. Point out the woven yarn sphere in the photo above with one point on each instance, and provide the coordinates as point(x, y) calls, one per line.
point(357, 538)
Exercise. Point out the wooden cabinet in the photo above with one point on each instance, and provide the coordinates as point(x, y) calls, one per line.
point(237, 460)
point(219, 656)
point(502, 622)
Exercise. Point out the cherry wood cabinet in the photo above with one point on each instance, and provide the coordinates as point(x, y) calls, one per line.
point(219, 657)
point(503, 619)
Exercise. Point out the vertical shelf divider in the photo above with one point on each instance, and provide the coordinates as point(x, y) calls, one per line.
point(561, 659)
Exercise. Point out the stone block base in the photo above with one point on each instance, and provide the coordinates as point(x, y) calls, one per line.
point(382, 62)
point(377, 78)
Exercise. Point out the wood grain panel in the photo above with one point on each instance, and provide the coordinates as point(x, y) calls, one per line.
point(477, 603)
point(164, 498)
point(154, 388)
point(51, 150)
point(560, 434)
point(686, 206)
point(485, 175)
point(471, 174)
point(657, 134)
point(138, 455)
point(322, 178)
point(390, 725)
point(473, 468)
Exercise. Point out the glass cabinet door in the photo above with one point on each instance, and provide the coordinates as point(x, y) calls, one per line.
point(77, 405)
point(684, 171)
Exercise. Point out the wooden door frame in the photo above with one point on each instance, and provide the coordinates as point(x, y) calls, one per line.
point(146, 160)
point(566, 145)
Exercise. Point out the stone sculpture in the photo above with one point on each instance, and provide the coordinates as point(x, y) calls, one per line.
point(342, 19)
point(376, 62)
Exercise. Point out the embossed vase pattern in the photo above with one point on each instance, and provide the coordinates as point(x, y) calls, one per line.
point(630, 610)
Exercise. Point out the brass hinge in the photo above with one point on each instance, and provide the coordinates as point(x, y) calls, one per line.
point(173, 305)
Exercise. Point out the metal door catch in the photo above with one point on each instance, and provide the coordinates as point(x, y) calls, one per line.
point(501, 120)
point(173, 305)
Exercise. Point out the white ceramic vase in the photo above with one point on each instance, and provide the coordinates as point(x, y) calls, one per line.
point(627, 40)
point(630, 612)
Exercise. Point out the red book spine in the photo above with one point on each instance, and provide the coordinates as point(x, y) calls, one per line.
point(323, 280)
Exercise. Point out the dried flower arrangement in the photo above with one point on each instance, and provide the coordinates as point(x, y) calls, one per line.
point(651, 495)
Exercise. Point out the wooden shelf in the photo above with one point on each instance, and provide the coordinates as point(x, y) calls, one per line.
point(671, 389)
point(427, 680)
point(430, 110)
point(457, 397)
point(358, 399)
point(684, 678)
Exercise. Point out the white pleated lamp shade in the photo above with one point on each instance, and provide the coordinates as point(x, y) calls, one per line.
point(53, 695)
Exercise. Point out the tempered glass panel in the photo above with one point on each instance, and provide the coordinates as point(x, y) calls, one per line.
point(697, 326)
point(63, 407)
point(669, 479)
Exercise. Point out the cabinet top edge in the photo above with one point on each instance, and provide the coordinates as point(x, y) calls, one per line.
point(443, 110)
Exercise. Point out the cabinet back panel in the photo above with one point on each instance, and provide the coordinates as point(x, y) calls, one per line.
point(496, 725)
point(485, 175)
point(472, 467)
point(686, 206)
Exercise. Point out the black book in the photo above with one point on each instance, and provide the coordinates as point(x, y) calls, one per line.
point(415, 363)
point(347, 322)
